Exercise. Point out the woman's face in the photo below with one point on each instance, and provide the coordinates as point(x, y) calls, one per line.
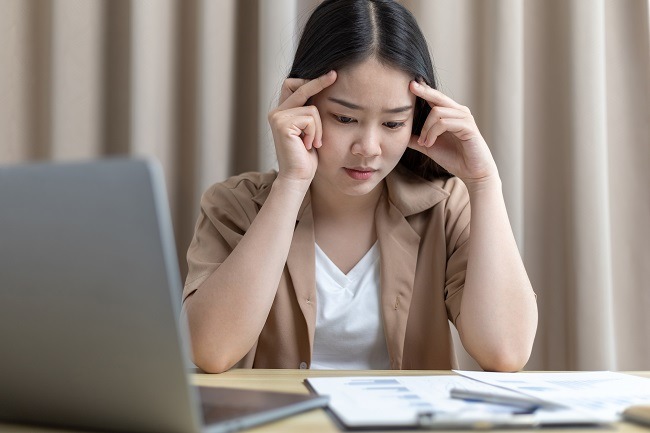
point(367, 117)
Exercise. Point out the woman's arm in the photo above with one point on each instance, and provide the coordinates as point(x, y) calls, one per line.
point(498, 312)
point(227, 312)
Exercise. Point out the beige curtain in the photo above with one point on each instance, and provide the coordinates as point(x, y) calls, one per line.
point(559, 88)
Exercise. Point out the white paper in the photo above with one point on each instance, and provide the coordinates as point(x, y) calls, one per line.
point(603, 394)
point(401, 400)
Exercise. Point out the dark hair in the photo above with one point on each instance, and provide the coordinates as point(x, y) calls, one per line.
point(342, 33)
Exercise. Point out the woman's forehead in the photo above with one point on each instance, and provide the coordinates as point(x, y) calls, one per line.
point(372, 85)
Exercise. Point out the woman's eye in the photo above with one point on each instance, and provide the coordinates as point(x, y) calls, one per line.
point(394, 125)
point(344, 119)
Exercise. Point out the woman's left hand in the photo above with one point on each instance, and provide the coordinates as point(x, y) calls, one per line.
point(451, 138)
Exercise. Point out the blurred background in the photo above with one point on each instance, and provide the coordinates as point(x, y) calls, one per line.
point(559, 88)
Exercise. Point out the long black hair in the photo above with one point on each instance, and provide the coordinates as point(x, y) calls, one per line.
point(342, 33)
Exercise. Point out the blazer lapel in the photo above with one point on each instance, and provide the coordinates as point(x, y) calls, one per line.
point(398, 245)
point(301, 263)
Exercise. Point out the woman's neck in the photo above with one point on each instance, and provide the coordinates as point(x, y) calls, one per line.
point(344, 225)
point(332, 205)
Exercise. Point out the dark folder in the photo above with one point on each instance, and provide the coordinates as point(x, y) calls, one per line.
point(231, 409)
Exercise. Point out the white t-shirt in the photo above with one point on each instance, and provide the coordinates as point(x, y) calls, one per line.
point(349, 329)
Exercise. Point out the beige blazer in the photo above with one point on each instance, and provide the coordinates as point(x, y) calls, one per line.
point(423, 232)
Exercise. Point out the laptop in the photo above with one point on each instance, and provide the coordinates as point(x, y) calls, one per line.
point(90, 294)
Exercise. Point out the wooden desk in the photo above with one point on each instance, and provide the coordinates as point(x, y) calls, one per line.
point(316, 421)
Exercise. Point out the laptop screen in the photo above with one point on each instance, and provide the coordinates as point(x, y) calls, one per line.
point(90, 299)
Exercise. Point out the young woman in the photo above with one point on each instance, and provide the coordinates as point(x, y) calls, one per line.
point(359, 249)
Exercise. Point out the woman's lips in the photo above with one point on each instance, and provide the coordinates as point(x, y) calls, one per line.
point(359, 173)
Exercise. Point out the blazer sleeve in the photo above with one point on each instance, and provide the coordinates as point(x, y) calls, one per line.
point(227, 211)
point(457, 223)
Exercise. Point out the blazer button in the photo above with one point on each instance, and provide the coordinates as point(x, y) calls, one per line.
point(303, 365)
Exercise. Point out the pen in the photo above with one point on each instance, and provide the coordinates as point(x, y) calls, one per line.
point(520, 401)
point(436, 421)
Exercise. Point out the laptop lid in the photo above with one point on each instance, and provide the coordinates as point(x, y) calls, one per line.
point(90, 306)
point(89, 299)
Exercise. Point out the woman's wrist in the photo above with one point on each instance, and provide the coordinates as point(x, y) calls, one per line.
point(490, 182)
point(293, 187)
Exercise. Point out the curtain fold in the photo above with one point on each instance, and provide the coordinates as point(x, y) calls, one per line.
point(627, 41)
point(559, 88)
point(588, 198)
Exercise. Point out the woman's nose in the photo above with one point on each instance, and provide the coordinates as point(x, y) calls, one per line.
point(367, 144)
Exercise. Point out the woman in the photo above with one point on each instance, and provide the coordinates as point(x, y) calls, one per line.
point(358, 250)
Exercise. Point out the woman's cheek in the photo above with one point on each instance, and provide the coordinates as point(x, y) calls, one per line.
point(404, 137)
point(329, 128)
point(335, 135)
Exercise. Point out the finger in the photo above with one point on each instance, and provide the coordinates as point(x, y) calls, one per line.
point(312, 111)
point(458, 127)
point(434, 97)
point(289, 86)
point(438, 113)
point(293, 119)
point(308, 132)
point(309, 110)
point(318, 139)
point(307, 90)
point(413, 144)
point(304, 127)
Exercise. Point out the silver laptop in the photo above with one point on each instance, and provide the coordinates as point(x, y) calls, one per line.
point(90, 292)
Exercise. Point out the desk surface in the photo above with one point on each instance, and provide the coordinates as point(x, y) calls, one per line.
point(316, 421)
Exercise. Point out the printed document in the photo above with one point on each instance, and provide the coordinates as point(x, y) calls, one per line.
point(604, 394)
point(409, 401)
point(426, 401)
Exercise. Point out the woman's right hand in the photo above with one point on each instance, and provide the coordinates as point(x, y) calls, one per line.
point(297, 129)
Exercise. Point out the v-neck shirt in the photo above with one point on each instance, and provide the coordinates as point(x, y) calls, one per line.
point(349, 328)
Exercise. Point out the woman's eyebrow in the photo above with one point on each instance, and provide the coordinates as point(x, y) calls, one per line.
point(352, 106)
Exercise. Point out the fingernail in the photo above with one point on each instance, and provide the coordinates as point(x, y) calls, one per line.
point(416, 84)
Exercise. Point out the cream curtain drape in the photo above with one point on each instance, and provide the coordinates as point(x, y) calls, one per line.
point(559, 88)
